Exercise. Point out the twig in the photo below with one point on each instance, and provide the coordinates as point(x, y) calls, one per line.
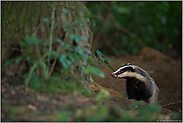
point(172, 97)
point(111, 46)
point(95, 42)
point(121, 28)
point(52, 67)
point(166, 110)
point(173, 103)
point(12, 49)
point(112, 85)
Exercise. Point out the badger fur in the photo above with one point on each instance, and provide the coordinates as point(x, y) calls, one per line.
point(139, 85)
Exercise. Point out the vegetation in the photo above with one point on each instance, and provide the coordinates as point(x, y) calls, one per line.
point(138, 112)
point(41, 77)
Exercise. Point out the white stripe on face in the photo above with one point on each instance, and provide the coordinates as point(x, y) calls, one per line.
point(120, 69)
point(123, 75)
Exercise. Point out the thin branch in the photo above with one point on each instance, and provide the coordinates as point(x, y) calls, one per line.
point(51, 34)
point(112, 85)
point(111, 46)
point(120, 27)
point(37, 47)
point(52, 67)
point(14, 49)
point(166, 110)
point(173, 103)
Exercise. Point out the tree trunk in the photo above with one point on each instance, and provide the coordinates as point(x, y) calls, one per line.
point(33, 18)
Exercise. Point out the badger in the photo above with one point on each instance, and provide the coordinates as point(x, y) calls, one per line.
point(139, 85)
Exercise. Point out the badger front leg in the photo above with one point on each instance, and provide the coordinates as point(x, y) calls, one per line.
point(129, 92)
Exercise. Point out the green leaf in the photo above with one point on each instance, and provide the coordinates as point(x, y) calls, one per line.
point(94, 56)
point(77, 38)
point(90, 60)
point(60, 41)
point(22, 44)
point(99, 53)
point(8, 62)
point(83, 38)
point(99, 60)
point(51, 4)
point(64, 115)
point(35, 84)
point(102, 58)
point(33, 40)
point(108, 65)
point(45, 71)
point(95, 118)
point(18, 59)
point(28, 58)
point(64, 61)
point(109, 60)
point(13, 110)
point(66, 46)
point(102, 95)
point(30, 51)
point(99, 56)
point(53, 54)
point(72, 58)
point(65, 11)
point(45, 19)
point(155, 108)
point(27, 38)
point(68, 62)
point(94, 70)
point(87, 51)
point(82, 24)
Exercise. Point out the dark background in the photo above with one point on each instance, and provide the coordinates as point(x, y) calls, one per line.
point(123, 28)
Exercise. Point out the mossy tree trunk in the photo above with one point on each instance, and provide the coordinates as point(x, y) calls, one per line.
point(47, 21)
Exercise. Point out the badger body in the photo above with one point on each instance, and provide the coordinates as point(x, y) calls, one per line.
point(139, 85)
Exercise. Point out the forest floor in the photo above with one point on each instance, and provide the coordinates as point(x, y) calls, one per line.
point(20, 105)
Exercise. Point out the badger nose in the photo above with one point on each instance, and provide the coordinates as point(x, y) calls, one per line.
point(113, 74)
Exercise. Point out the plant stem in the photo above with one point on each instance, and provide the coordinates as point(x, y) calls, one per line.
point(34, 34)
point(51, 34)
point(32, 70)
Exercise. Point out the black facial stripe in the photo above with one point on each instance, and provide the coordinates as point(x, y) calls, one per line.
point(124, 70)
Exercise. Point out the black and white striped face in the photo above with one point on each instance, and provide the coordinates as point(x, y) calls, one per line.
point(124, 71)
point(131, 71)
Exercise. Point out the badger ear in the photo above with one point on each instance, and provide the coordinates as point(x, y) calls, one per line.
point(133, 67)
point(128, 64)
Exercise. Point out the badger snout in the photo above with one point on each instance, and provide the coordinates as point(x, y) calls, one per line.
point(114, 75)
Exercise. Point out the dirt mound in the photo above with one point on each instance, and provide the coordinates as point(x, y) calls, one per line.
point(115, 96)
point(165, 71)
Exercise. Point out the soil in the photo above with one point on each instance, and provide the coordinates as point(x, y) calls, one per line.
point(21, 105)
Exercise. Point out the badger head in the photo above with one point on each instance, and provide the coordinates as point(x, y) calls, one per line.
point(130, 71)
